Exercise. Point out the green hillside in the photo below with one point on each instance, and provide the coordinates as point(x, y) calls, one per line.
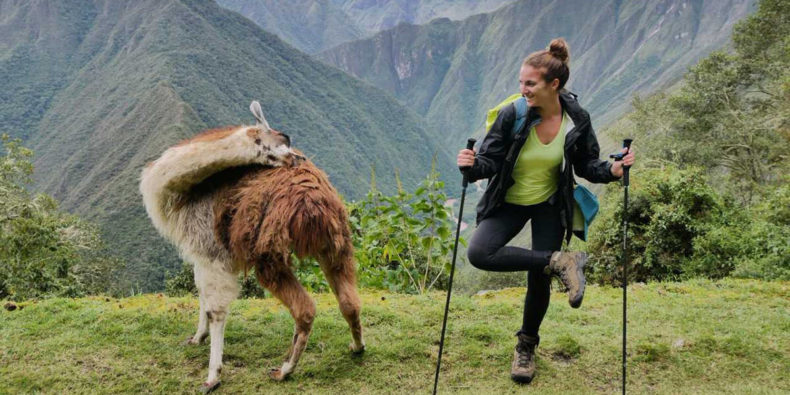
point(98, 88)
point(451, 72)
point(316, 25)
point(374, 16)
point(309, 25)
point(697, 337)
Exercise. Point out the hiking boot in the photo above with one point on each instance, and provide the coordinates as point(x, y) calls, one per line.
point(569, 266)
point(523, 368)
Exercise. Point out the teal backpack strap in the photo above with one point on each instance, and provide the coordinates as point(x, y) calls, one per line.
point(521, 114)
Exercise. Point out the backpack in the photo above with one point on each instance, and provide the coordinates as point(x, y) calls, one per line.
point(521, 112)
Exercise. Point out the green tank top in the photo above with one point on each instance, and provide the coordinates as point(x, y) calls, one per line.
point(537, 169)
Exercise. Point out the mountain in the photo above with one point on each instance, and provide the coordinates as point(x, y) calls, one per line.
point(316, 25)
point(309, 25)
point(452, 71)
point(100, 87)
point(375, 16)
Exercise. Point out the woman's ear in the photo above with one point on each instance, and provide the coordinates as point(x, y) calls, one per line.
point(555, 83)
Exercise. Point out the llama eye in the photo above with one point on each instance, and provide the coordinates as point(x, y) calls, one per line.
point(258, 141)
point(271, 157)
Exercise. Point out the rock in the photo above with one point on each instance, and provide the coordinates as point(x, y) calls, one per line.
point(10, 306)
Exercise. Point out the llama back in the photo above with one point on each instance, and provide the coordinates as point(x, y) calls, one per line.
point(275, 211)
point(168, 183)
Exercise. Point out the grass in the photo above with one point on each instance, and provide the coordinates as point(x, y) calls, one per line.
point(729, 336)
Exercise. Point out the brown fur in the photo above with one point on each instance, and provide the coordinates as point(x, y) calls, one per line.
point(270, 212)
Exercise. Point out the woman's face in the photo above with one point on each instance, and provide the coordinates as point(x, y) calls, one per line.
point(535, 88)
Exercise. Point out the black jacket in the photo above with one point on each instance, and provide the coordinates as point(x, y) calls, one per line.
point(499, 150)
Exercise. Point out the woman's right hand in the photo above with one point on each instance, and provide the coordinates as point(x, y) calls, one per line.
point(466, 158)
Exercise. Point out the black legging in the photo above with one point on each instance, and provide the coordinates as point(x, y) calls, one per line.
point(487, 251)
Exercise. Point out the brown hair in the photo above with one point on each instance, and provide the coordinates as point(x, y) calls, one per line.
point(553, 61)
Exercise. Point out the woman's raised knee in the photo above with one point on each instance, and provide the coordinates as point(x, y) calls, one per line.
point(478, 256)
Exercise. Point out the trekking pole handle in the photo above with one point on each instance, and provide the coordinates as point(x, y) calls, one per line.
point(470, 144)
point(619, 155)
point(626, 144)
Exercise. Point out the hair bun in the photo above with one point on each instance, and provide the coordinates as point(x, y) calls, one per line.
point(559, 49)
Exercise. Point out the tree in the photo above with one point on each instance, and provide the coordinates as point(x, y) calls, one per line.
point(44, 252)
point(732, 111)
point(729, 125)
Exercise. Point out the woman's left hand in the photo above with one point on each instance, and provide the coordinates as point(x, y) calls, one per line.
point(628, 160)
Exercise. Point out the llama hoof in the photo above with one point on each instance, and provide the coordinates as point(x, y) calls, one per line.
point(277, 374)
point(356, 350)
point(191, 341)
point(206, 388)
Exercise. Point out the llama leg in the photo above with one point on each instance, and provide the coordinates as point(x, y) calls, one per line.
point(202, 328)
point(343, 283)
point(287, 289)
point(219, 288)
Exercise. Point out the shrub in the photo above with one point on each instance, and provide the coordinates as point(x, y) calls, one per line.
point(403, 242)
point(765, 238)
point(670, 212)
point(43, 251)
point(183, 283)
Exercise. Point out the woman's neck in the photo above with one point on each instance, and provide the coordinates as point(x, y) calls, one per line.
point(551, 110)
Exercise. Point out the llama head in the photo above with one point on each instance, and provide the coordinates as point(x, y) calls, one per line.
point(274, 147)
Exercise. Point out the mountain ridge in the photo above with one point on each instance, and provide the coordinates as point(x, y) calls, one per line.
point(137, 77)
point(458, 69)
point(316, 25)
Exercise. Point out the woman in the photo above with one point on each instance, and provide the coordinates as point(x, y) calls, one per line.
point(530, 178)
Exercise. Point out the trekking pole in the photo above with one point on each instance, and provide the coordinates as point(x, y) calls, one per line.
point(469, 145)
point(619, 156)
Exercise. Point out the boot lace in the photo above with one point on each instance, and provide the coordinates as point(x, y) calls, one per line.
point(525, 354)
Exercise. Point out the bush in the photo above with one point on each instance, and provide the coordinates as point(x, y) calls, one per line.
point(44, 252)
point(680, 227)
point(403, 242)
point(765, 238)
point(183, 283)
point(670, 213)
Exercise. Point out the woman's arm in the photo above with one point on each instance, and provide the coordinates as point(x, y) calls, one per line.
point(492, 151)
point(586, 163)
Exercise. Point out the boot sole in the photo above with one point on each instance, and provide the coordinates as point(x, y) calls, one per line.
point(580, 272)
point(521, 379)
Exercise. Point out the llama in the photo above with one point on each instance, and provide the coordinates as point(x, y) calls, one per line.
point(237, 199)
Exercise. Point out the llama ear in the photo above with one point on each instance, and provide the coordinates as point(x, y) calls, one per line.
point(255, 107)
